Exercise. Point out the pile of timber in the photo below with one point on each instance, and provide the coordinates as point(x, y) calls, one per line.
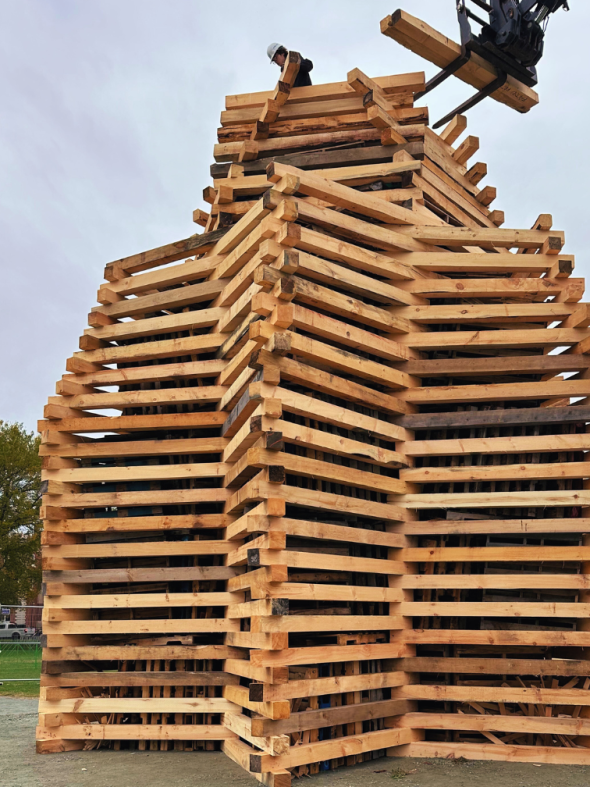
point(315, 482)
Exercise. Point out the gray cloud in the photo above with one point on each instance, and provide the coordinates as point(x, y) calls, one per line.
point(109, 114)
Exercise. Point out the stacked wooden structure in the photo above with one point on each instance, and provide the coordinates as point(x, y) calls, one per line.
point(340, 509)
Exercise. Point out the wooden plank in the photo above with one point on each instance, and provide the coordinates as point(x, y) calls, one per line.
point(165, 348)
point(148, 374)
point(505, 338)
point(297, 146)
point(122, 575)
point(491, 666)
point(138, 523)
point(496, 500)
point(83, 705)
point(569, 290)
point(326, 654)
point(311, 498)
point(453, 173)
point(531, 694)
point(98, 448)
point(444, 173)
point(502, 262)
point(491, 314)
point(342, 446)
point(537, 472)
point(142, 398)
point(449, 201)
point(163, 255)
point(130, 549)
point(315, 592)
point(497, 391)
point(273, 710)
point(342, 196)
point(124, 499)
point(334, 358)
point(492, 526)
point(79, 475)
point(135, 732)
point(343, 333)
point(328, 717)
point(169, 299)
point(325, 750)
point(380, 118)
point(407, 115)
point(204, 318)
point(492, 723)
point(332, 156)
point(319, 623)
point(440, 50)
point(466, 149)
point(241, 752)
point(141, 600)
point(391, 172)
point(325, 412)
point(499, 445)
point(390, 85)
point(242, 725)
point(327, 272)
point(454, 129)
point(250, 245)
point(357, 230)
point(511, 364)
point(333, 685)
point(188, 271)
point(492, 609)
point(291, 287)
point(129, 423)
point(352, 103)
point(153, 678)
point(503, 238)
point(491, 553)
point(155, 626)
point(310, 560)
point(491, 751)
point(133, 652)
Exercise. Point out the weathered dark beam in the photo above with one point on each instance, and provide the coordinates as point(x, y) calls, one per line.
point(246, 405)
point(163, 254)
point(480, 418)
point(323, 159)
point(490, 666)
point(176, 678)
point(512, 364)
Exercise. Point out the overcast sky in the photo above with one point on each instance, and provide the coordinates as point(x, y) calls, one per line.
point(109, 110)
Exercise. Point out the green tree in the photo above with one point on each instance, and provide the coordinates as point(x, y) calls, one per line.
point(20, 526)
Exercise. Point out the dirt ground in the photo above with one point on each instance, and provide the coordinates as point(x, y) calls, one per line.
point(20, 766)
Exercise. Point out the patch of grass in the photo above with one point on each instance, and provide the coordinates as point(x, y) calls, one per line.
point(399, 773)
point(20, 661)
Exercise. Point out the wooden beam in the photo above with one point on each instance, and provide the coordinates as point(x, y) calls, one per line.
point(442, 51)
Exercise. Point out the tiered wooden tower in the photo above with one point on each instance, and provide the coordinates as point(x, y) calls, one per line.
point(341, 509)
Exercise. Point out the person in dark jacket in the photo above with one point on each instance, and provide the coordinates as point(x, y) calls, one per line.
point(277, 53)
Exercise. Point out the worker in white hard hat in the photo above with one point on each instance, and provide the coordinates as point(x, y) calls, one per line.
point(277, 53)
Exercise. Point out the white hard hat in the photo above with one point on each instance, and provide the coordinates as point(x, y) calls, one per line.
point(272, 50)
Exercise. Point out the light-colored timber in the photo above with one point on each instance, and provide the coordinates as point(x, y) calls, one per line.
point(314, 481)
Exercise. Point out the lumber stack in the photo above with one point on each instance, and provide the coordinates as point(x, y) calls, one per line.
point(423, 40)
point(315, 482)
